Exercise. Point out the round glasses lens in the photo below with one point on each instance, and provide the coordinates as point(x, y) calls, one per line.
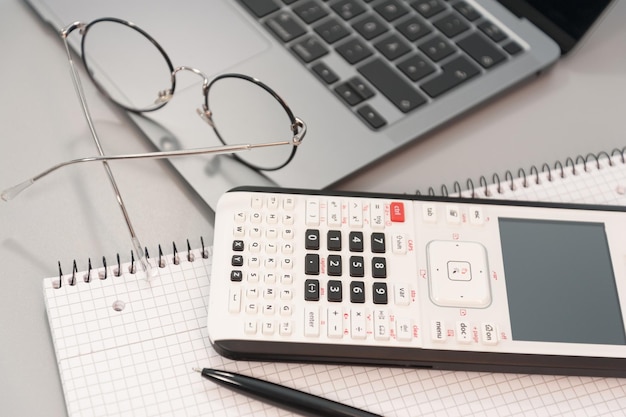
point(245, 112)
point(126, 65)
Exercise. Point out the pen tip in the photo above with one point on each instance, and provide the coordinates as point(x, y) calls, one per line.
point(196, 369)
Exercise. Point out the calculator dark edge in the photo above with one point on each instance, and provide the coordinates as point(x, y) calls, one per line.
point(418, 357)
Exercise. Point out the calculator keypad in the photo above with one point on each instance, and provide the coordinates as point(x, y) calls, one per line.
point(320, 267)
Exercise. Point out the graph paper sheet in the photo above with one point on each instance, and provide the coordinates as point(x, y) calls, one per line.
point(126, 347)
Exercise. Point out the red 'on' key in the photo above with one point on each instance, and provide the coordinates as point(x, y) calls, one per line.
point(397, 211)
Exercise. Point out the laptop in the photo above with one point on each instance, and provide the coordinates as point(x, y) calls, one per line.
point(367, 76)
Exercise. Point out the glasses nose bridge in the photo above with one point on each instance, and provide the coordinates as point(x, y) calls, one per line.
point(205, 79)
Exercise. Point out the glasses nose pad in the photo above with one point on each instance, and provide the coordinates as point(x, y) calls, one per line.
point(163, 97)
point(206, 115)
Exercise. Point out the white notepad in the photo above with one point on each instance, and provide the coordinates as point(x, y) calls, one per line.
point(127, 346)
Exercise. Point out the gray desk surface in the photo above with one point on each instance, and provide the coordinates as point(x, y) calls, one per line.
point(577, 108)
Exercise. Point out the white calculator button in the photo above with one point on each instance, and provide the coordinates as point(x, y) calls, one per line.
point(252, 308)
point(335, 323)
point(271, 232)
point(312, 213)
point(288, 233)
point(254, 247)
point(399, 243)
point(234, 300)
point(272, 218)
point(240, 217)
point(270, 247)
point(287, 248)
point(438, 331)
point(453, 214)
point(239, 231)
point(255, 231)
point(402, 294)
point(286, 310)
point(286, 279)
point(382, 324)
point(311, 322)
point(254, 261)
point(287, 263)
point(288, 219)
point(269, 293)
point(286, 328)
point(270, 262)
point(269, 327)
point(463, 332)
point(404, 329)
point(489, 334)
point(333, 212)
point(253, 276)
point(256, 202)
point(476, 215)
point(286, 294)
point(377, 215)
point(429, 213)
point(355, 213)
point(250, 327)
point(270, 278)
point(358, 323)
point(269, 309)
point(272, 202)
point(252, 293)
point(256, 217)
point(289, 203)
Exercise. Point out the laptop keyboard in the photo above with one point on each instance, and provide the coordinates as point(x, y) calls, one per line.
point(410, 51)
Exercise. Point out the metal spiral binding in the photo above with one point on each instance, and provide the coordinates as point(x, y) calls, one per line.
point(116, 271)
point(534, 176)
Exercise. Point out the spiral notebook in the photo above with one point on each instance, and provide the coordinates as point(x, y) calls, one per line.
point(126, 345)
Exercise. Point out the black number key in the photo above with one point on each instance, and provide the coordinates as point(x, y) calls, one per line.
point(312, 290)
point(357, 292)
point(334, 291)
point(334, 265)
point(312, 264)
point(380, 293)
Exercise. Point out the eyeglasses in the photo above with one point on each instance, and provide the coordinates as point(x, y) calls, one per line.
point(129, 67)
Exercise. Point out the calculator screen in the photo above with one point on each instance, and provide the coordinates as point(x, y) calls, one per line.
point(560, 282)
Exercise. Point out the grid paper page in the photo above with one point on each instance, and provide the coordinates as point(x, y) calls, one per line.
point(137, 362)
point(599, 181)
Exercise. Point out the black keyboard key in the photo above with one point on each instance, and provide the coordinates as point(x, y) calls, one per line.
point(370, 26)
point(309, 49)
point(348, 94)
point(451, 25)
point(361, 87)
point(468, 11)
point(416, 67)
point(238, 245)
point(312, 264)
point(379, 267)
point(482, 50)
point(380, 293)
point(437, 48)
point(334, 265)
point(348, 9)
point(285, 26)
point(493, 31)
point(311, 290)
point(333, 240)
point(310, 11)
point(429, 8)
point(325, 73)
point(357, 266)
point(512, 47)
point(392, 46)
point(454, 73)
point(371, 116)
point(391, 10)
point(260, 8)
point(331, 30)
point(357, 292)
point(334, 291)
point(392, 85)
point(414, 28)
point(354, 50)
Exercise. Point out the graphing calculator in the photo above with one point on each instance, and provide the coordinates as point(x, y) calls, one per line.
point(419, 281)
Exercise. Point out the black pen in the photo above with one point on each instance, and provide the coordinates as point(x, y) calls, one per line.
point(281, 396)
